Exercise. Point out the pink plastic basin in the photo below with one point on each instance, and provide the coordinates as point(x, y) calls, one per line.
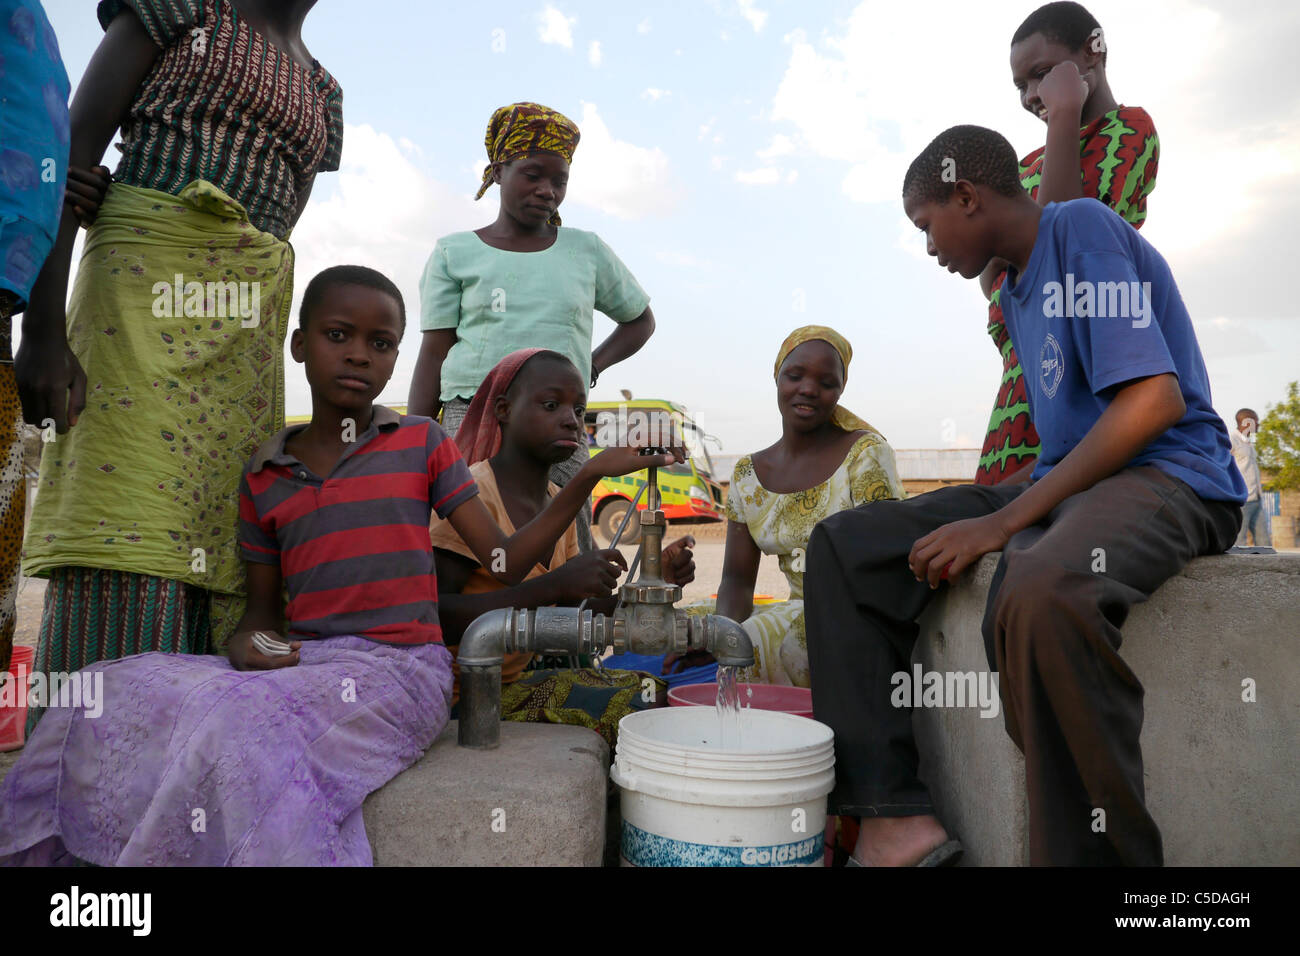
point(786, 700)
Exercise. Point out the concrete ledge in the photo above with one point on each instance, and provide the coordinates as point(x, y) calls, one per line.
point(1221, 774)
point(544, 788)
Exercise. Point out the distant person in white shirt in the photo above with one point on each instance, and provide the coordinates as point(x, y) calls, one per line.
point(1254, 518)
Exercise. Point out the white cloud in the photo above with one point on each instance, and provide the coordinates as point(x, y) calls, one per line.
point(618, 177)
point(880, 180)
point(767, 176)
point(1225, 338)
point(715, 162)
point(781, 145)
point(751, 13)
point(643, 27)
point(655, 94)
point(910, 239)
point(555, 28)
point(594, 54)
point(839, 99)
point(683, 260)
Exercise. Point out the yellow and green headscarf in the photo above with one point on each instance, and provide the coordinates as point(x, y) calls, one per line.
point(842, 417)
point(520, 129)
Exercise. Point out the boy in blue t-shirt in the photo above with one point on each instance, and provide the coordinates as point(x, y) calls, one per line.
point(1135, 479)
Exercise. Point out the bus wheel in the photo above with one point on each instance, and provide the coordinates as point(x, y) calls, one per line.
point(611, 516)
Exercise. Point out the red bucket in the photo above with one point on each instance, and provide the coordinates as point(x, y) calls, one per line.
point(13, 698)
point(786, 700)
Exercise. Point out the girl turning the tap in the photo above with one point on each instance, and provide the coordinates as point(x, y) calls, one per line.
point(526, 416)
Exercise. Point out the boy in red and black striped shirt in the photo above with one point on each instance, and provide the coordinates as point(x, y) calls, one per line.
point(338, 510)
point(282, 742)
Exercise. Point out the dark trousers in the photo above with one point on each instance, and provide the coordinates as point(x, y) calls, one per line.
point(1051, 629)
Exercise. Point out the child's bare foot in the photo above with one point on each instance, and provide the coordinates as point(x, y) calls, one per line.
point(897, 841)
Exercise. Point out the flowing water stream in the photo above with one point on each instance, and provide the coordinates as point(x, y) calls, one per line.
point(731, 715)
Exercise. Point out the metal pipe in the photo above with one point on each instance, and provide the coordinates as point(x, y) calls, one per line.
point(557, 631)
point(640, 628)
point(651, 553)
point(631, 513)
point(644, 622)
point(726, 640)
point(479, 725)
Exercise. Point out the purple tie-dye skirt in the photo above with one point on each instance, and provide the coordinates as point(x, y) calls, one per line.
point(192, 762)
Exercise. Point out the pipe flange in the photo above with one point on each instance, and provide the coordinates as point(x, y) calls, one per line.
point(650, 594)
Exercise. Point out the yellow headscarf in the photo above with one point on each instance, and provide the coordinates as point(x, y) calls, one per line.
point(842, 417)
point(523, 128)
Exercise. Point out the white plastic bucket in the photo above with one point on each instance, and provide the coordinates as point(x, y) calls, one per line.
point(687, 802)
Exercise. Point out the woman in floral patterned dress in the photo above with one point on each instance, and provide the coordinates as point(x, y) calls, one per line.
point(826, 460)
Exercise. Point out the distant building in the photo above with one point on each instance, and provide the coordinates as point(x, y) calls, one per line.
point(925, 469)
point(723, 466)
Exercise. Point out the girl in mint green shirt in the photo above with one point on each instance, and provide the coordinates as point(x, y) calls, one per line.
point(522, 281)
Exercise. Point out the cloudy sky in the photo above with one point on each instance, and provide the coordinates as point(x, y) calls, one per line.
point(744, 158)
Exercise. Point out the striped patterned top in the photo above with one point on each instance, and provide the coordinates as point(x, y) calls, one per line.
point(354, 546)
point(224, 104)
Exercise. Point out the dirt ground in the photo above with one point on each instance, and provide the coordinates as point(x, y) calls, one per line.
point(709, 548)
point(709, 540)
point(31, 598)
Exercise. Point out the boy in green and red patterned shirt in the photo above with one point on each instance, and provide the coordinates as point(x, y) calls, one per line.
point(1058, 62)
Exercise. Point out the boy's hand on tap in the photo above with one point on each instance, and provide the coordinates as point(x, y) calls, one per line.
point(678, 561)
point(590, 575)
point(622, 460)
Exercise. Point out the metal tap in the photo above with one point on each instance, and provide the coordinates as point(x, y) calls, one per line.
point(645, 621)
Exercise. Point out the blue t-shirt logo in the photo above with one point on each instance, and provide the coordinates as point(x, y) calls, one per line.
point(1052, 365)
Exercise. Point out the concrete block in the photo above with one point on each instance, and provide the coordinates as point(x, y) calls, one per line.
point(548, 781)
point(975, 773)
point(546, 785)
point(1221, 773)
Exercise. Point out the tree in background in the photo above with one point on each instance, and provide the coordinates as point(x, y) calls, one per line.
point(1278, 444)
